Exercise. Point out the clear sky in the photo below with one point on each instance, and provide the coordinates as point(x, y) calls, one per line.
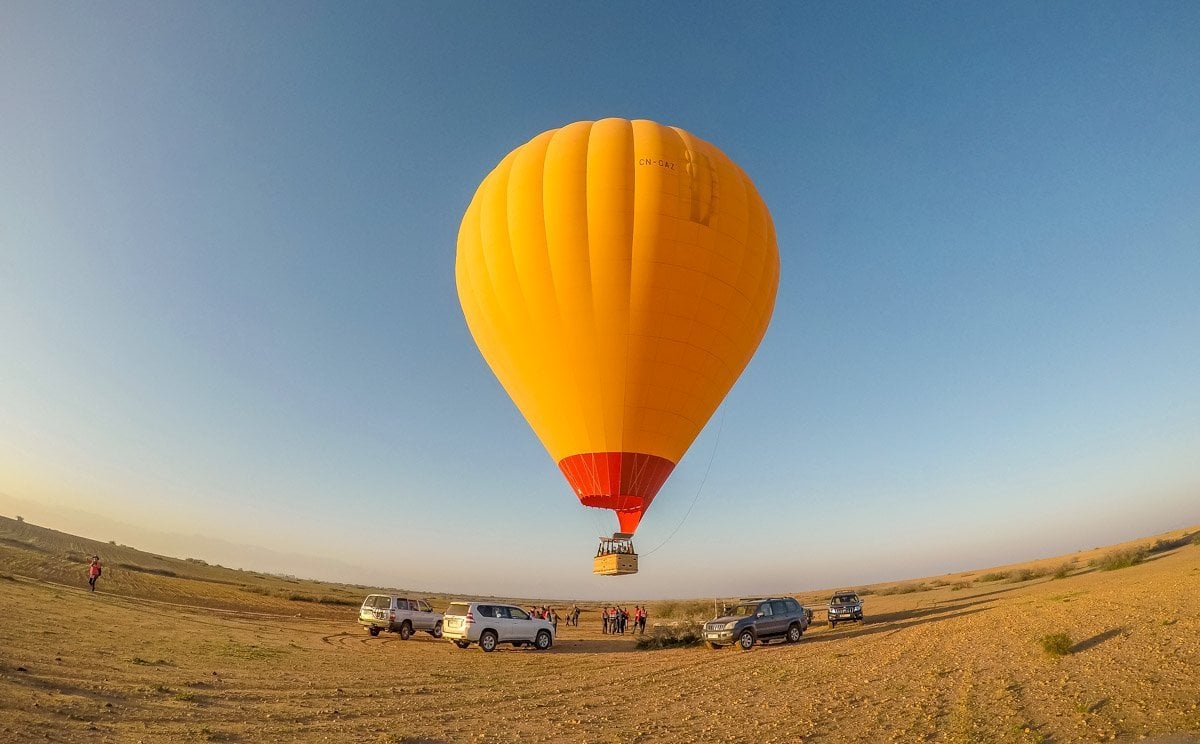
point(229, 326)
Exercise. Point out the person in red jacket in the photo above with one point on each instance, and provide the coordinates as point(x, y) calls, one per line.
point(94, 572)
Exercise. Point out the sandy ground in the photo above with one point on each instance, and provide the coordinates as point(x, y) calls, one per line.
point(942, 665)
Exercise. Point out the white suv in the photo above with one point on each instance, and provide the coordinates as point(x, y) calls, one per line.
point(489, 624)
point(399, 615)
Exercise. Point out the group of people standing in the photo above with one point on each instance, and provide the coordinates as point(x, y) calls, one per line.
point(549, 613)
point(546, 613)
point(615, 619)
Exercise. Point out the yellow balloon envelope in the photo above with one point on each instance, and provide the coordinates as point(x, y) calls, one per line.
point(617, 277)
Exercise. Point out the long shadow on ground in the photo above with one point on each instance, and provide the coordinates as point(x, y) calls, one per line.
point(889, 627)
point(1096, 640)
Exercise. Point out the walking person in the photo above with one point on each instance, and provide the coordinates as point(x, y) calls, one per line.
point(94, 572)
point(604, 621)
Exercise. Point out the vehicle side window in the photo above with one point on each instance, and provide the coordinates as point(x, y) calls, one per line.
point(765, 609)
point(517, 614)
point(792, 606)
point(487, 610)
point(423, 606)
point(779, 606)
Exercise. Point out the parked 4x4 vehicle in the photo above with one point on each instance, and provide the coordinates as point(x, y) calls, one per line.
point(844, 607)
point(757, 620)
point(489, 624)
point(398, 614)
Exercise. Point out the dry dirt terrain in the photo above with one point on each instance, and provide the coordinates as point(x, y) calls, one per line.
point(955, 659)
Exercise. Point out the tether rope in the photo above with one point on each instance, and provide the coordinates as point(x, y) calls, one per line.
point(712, 456)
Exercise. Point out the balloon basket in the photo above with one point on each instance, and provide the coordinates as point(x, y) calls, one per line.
point(615, 556)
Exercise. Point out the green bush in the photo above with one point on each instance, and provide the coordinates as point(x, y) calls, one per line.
point(1161, 546)
point(1115, 559)
point(1056, 644)
point(1026, 574)
point(671, 637)
point(903, 589)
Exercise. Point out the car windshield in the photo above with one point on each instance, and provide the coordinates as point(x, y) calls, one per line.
point(743, 610)
point(845, 599)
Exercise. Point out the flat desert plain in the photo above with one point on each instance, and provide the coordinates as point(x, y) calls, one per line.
point(951, 659)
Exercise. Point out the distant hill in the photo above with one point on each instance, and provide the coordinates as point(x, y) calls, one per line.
point(30, 551)
point(47, 555)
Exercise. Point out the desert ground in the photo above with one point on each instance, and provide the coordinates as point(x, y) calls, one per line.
point(175, 651)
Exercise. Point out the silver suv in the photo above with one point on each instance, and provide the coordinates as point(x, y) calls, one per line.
point(398, 614)
point(490, 624)
point(757, 620)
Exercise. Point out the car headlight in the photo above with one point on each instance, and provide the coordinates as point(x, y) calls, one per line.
point(731, 626)
point(858, 608)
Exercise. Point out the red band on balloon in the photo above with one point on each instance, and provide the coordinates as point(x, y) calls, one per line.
point(625, 482)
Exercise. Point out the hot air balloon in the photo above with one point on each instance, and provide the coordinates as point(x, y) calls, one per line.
point(617, 277)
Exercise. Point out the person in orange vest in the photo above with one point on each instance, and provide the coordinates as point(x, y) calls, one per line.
point(94, 572)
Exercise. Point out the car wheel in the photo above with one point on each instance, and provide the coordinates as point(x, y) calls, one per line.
point(833, 623)
point(462, 644)
point(713, 646)
point(794, 633)
point(487, 641)
point(543, 640)
point(437, 631)
point(746, 640)
point(405, 631)
point(374, 631)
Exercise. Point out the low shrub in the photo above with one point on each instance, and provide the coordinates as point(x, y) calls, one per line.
point(1063, 571)
point(677, 636)
point(690, 610)
point(1026, 574)
point(1056, 644)
point(903, 589)
point(1115, 559)
point(988, 577)
point(1161, 546)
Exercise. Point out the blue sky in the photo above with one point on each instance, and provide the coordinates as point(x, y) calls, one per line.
point(229, 327)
